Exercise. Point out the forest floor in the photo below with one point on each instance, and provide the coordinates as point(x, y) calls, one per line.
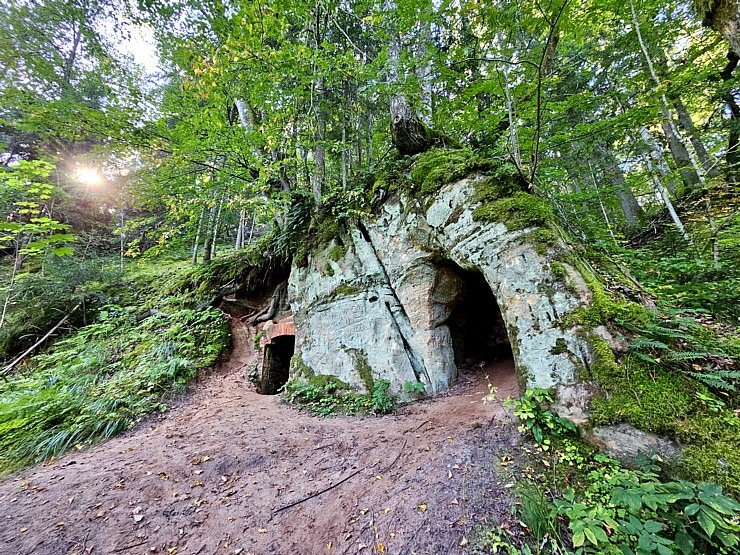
point(218, 473)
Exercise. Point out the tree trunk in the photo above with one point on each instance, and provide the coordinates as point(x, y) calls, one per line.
point(196, 244)
point(687, 123)
point(659, 162)
point(679, 150)
point(680, 156)
point(628, 203)
point(410, 136)
point(216, 225)
point(319, 151)
point(724, 17)
point(733, 141)
point(662, 192)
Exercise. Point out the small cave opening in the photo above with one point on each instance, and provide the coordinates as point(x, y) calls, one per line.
point(276, 364)
point(476, 325)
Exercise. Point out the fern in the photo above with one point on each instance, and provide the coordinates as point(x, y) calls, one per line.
point(718, 379)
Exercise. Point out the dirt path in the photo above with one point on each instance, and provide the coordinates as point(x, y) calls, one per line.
point(214, 474)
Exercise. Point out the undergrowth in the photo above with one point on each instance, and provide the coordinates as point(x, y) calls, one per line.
point(104, 379)
point(577, 501)
point(329, 396)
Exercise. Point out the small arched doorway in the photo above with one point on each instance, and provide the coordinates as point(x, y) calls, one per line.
point(477, 328)
point(276, 364)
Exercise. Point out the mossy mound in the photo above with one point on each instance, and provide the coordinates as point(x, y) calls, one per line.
point(438, 167)
point(518, 211)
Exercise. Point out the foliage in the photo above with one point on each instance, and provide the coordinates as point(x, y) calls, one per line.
point(328, 396)
point(681, 342)
point(596, 506)
point(104, 379)
point(38, 300)
point(537, 419)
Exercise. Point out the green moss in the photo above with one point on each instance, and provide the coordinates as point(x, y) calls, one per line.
point(299, 369)
point(712, 454)
point(345, 290)
point(603, 309)
point(651, 401)
point(321, 232)
point(362, 367)
point(257, 339)
point(517, 212)
point(560, 347)
point(495, 187)
point(337, 252)
point(437, 167)
point(330, 383)
point(558, 271)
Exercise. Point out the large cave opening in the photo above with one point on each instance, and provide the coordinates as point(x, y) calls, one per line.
point(476, 326)
point(276, 364)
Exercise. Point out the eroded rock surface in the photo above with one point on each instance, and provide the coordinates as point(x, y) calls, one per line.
point(384, 304)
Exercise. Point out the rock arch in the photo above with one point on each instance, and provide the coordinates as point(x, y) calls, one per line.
point(382, 307)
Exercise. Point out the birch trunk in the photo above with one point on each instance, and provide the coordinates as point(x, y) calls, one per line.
point(198, 230)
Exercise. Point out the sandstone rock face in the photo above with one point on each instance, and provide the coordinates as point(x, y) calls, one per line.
point(628, 444)
point(386, 307)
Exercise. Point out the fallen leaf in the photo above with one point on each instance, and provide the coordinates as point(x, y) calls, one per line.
point(262, 530)
point(464, 542)
point(172, 550)
point(206, 458)
point(392, 535)
point(423, 507)
point(381, 548)
point(24, 529)
point(363, 512)
point(328, 546)
point(449, 474)
point(387, 510)
point(454, 502)
point(138, 518)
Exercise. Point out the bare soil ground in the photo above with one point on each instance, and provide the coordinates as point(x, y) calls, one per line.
point(231, 471)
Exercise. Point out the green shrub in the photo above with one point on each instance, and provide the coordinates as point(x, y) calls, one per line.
point(103, 379)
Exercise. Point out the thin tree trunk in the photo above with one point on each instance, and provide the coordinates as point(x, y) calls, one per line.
point(196, 244)
point(216, 225)
point(209, 231)
point(319, 151)
point(678, 147)
point(687, 123)
point(631, 209)
point(601, 204)
point(659, 162)
point(513, 135)
point(663, 193)
point(240, 231)
point(28, 351)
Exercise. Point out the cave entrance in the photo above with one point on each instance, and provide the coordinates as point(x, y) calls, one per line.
point(276, 364)
point(476, 326)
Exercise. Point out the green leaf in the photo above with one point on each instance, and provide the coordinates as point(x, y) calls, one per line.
point(62, 251)
point(706, 522)
point(653, 526)
point(591, 536)
point(684, 542)
point(579, 538)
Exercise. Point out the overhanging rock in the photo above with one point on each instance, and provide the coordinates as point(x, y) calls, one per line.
point(381, 302)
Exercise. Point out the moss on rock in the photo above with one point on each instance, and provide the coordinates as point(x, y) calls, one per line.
point(518, 211)
point(437, 167)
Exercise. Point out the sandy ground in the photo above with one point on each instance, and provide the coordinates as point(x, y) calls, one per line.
point(231, 471)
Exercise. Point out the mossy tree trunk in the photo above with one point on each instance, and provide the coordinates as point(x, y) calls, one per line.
point(410, 135)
